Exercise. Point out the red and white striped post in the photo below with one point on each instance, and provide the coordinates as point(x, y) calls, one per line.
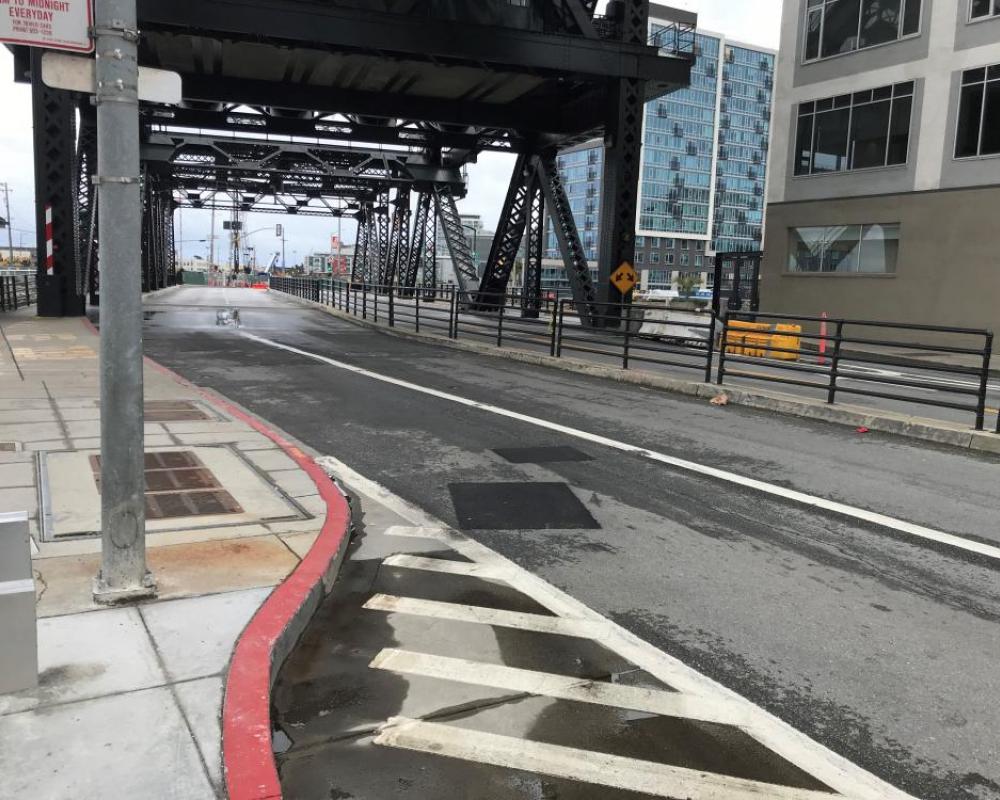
point(50, 257)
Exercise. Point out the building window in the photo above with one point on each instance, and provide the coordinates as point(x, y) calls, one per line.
point(640, 241)
point(685, 244)
point(854, 131)
point(843, 26)
point(699, 245)
point(668, 243)
point(639, 258)
point(862, 249)
point(654, 242)
point(654, 258)
point(699, 261)
point(668, 258)
point(979, 113)
point(685, 259)
point(985, 8)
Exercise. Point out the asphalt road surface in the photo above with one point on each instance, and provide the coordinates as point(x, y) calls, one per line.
point(706, 531)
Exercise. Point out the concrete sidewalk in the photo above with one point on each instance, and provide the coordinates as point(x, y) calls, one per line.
point(128, 701)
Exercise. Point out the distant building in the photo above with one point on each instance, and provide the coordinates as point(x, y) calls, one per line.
point(479, 239)
point(24, 257)
point(704, 156)
point(885, 182)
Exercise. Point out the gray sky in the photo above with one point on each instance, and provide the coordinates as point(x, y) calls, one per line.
point(750, 21)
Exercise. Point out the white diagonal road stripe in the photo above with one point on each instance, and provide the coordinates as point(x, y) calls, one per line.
point(466, 568)
point(582, 628)
point(562, 687)
point(603, 769)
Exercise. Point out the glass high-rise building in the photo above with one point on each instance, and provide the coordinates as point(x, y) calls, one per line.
point(704, 168)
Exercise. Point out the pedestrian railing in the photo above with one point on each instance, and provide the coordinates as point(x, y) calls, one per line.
point(17, 290)
point(837, 358)
point(857, 358)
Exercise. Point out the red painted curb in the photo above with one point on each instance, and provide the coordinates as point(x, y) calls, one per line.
point(251, 772)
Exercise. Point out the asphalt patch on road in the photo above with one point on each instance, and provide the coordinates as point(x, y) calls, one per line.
point(519, 506)
point(541, 455)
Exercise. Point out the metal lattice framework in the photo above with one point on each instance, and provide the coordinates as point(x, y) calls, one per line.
point(454, 235)
point(571, 248)
point(421, 87)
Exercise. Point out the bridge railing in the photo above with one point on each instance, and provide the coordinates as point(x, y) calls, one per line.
point(942, 367)
point(17, 289)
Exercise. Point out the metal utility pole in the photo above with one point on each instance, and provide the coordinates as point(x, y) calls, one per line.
point(123, 574)
point(10, 226)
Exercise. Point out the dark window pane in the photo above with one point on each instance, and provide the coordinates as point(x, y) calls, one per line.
point(899, 130)
point(830, 149)
point(812, 34)
point(863, 97)
point(803, 146)
point(970, 112)
point(806, 108)
point(882, 93)
point(973, 75)
point(980, 8)
point(991, 121)
point(840, 27)
point(903, 88)
point(824, 104)
point(993, 73)
point(911, 17)
point(869, 135)
point(879, 22)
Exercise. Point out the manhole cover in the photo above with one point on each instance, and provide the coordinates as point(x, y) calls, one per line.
point(541, 455)
point(178, 484)
point(518, 506)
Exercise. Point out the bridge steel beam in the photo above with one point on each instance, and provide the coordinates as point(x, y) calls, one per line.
point(531, 291)
point(507, 240)
point(60, 294)
point(570, 247)
point(454, 235)
point(86, 204)
point(622, 165)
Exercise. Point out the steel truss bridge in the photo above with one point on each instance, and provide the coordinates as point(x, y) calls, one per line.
point(370, 108)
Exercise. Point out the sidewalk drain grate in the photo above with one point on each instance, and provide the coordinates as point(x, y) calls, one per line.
point(173, 411)
point(519, 506)
point(178, 484)
point(541, 455)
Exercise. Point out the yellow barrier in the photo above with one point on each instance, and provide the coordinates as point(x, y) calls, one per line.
point(757, 340)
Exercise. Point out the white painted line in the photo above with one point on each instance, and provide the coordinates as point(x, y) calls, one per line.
point(861, 514)
point(469, 569)
point(602, 769)
point(18, 587)
point(584, 629)
point(826, 766)
point(562, 687)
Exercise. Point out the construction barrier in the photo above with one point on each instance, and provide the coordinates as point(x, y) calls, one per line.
point(763, 340)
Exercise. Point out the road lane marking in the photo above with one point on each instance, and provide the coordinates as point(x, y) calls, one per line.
point(562, 687)
point(777, 735)
point(457, 612)
point(602, 769)
point(471, 570)
point(861, 514)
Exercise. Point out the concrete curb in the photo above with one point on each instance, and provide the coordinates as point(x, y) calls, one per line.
point(921, 428)
point(247, 756)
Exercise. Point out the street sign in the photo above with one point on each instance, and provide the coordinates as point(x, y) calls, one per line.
point(55, 24)
point(278, 230)
point(624, 278)
point(232, 225)
point(78, 74)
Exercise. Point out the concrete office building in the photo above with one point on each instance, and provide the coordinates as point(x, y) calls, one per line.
point(704, 156)
point(885, 170)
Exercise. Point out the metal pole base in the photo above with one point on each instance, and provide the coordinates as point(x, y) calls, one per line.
point(108, 596)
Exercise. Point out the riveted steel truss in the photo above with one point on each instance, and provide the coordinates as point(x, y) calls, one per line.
point(56, 186)
point(86, 205)
point(399, 238)
point(454, 234)
point(158, 264)
point(570, 247)
point(421, 263)
point(507, 242)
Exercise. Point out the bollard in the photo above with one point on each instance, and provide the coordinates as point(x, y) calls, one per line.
point(19, 651)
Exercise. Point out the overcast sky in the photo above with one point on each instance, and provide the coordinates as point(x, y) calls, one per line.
point(750, 21)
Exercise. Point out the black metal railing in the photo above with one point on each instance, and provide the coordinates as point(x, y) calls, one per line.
point(855, 357)
point(836, 357)
point(17, 290)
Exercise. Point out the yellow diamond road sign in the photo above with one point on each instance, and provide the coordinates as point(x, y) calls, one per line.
point(624, 278)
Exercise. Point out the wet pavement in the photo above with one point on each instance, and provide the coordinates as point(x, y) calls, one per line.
point(875, 644)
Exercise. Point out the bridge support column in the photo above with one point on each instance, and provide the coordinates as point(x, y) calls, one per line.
point(622, 163)
point(510, 232)
point(454, 234)
point(60, 292)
